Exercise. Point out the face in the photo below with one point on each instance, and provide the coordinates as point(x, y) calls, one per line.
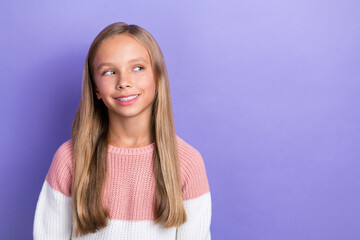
point(122, 67)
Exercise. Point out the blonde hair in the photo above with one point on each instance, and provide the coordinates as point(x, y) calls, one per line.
point(89, 136)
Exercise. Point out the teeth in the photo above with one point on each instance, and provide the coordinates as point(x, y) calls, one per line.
point(127, 98)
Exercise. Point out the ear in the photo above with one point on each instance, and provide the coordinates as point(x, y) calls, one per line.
point(97, 93)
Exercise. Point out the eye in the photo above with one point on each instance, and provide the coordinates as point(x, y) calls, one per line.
point(105, 73)
point(139, 68)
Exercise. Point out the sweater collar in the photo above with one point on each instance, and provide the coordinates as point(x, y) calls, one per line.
point(132, 151)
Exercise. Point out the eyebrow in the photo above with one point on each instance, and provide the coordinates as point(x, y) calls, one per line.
point(132, 60)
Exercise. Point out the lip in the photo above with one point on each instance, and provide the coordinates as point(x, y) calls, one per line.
point(123, 96)
point(125, 103)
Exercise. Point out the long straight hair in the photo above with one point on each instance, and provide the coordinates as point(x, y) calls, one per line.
point(89, 135)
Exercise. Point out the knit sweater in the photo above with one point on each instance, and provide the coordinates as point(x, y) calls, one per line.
point(128, 195)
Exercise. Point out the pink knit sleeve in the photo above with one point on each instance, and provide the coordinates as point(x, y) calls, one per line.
point(196, 195)
point(59, 175)
point(53, 214)
point(193, 173)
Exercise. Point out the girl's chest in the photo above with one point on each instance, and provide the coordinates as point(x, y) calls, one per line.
point(129, 190)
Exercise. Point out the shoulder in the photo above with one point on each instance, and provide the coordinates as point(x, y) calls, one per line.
point(63, 154)
point(193, 172)
point(60, 172)
point(187, 152)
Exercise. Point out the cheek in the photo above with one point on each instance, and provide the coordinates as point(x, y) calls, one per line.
point(148, 85)
point(104, 86)
point(152, 88)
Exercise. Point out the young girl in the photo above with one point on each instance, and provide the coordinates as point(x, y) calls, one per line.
point(124, 174)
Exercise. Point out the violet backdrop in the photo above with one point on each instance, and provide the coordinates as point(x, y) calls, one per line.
point(267, 91)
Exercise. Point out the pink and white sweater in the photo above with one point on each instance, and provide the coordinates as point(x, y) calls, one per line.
point(128, 194)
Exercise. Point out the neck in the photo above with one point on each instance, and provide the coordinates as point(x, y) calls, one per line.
point(130, 132)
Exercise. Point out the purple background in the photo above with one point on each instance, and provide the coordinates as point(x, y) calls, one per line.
point(267, 91)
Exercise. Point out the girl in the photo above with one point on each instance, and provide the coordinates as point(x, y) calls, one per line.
point(124, 174)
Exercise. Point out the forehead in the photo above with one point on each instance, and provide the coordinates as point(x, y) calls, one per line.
point(121, 48)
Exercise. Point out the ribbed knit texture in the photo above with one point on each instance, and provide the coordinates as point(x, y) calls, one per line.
point(128, 194)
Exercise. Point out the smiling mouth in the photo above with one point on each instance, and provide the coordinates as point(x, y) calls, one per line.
point(127, 98)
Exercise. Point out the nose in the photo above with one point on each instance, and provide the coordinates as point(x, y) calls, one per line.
point(124, 82)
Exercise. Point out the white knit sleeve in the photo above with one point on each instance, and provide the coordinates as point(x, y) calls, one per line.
point(196, 196)
point(53, 215)
point(197, 226)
